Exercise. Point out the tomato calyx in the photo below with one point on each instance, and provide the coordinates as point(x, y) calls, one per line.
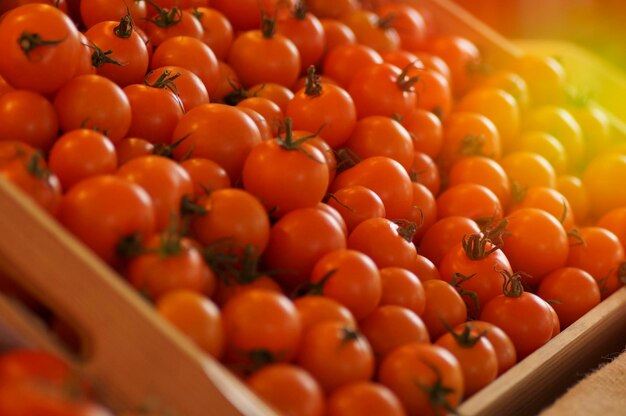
point(575, 238)
point(457, 280)
point(493, 229)
point(287, 142)
point(404, 82)
point(313, 288)
point(260, 358)
point(475, 246)
point(268, 25)
point(437, 392)
point(167, 150)
point(36, 168)
point(238, 93)
point(512, 286)
point(518, 192)
point(406, 229)
point(165, 17)
point(300, 10)
point(349, 334)
point(465, 339)
point(386, 22)
point(126, 26)
point(130, 246)
point(100, 57)
point(313, 84)
point(346, 159)
point(472, 145)
point(30, 41)
point(197, 13)
point(333, 197)
point(165, 81)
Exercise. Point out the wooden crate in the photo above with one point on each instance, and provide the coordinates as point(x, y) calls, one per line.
point(139, 357)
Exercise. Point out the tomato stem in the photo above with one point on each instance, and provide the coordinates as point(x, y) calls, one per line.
point(332, 196)
point(300, 10)
point(126, 26)
point(386, 22)
point(404, 82)
point(512, 286)
point(466, 339)
point(475, 246)
point(313, 84)
point(268, 25)
point(238, 94)
point(35, 167)
point(456, 281)
point(437, 392)
point(346, 158)
point(197, 13)
point(288, 143)
point(406, 229)
point(100, 57)
point(165, 17)
point(30, 41)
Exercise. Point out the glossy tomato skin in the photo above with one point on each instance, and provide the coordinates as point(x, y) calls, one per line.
point(28, 117)
point(217, 30)
point(361, 398)
point(444, 305)
point(502, 344)
point(103, 210)
point(40, 68)
point(96, 11)
point(306, 32)
point(315, 309)
point(356, 204)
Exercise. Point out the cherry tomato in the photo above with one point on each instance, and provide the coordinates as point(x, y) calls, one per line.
point(469, 200)
point(187, 86)
point(402, 287)
point(372, 31)
point(482, 171)
point(502, 344)
point(306, 32)
point(362, 398)
point(315, 309)
point(28, 117)
point(217, 31)
point(444, 306)
point(342, 62)
point(445, 233)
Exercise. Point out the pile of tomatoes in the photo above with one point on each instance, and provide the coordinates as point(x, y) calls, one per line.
point(352, 211)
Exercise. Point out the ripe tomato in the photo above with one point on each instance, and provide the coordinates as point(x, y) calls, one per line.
point(443, 234)
point(128, 62)
point(371, 30)
point(261, 123)
point(187, 86)
point(426, 131)
point(361, 398)
point(444, 306)
point(462, 57)
point(381, 136)
point(469, 200)
point(131, 148)
point(246, 14)
point(80, 154)
point(469, 134)
point(206, 175)
point(382, 89)
point(523, 316)
point(286, 174)
point(41, 49)
point(335, 33)
point(305, 31)
point(28, 117)
point(217, 32)
point(545, 145)
point(425, 171)
point(93, 102)
point(169, 23)
point(261, 325)
point(277, 93)
point(475, 354)
point(390, 326)
point(482, 171)
point(4, 86)
point(343, 61)
point(384, 176)
point(288, 389)
point(356, 204)
point(615, 222)
point(349, 277)
point(315, 309)
point(434, 63)
point(104, 210)
point(527, 169)
point(407, 21)
point(601, 255)
point(336, 354)
point(218, 132)
point(499, 107)
point(402, 287)
point(189, 53)
point(572, 188)
point(233, 219)
point(268, 109)
point(230, 286)
point(571, 291)
point(426, 378)
point(502, 344)
point(96, 11)
point(433, 92)
point(549, 200)
point(281, 61)
point(298, 240)
point(164, 180)
point(197, 317)
point(423, 211)
point(332, 8)
point(169, 263)
point(535, 243)
point(509, 82)
point(20, 365)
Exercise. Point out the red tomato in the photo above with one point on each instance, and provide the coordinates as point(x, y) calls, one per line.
point(315, 309)
point(217, 31)
point(332, 8)
point(475, 354)
point(281, 61)
point(80, 154)
point(267, 108)
point(407, 21)
point(288, 389)
point(549, 200)
point(371, 30)
point(29, 118)
point(444, 306)
point(484, 171)
point(381, 136)
point(93, 102)
point(356, 204)
point(384, 176)
point(343, 61)
point(128, 62)
point(615, 222)
point(41, 48)
point(131, 148)
point(277, 93)
point(445, 233)
point(390, 326)
point(305, 31)
point(103, 211)
point(402, 287)
point(96, 11)
point(261, 123)
point(502, 344)
point(360, 398)
point(298, 240)
point(246, 14)
point(336, 354)
point(169, 23)
point(382, 89)
point(164, 180)
point(425, 171)
point(206, 175)
point(469, 200)
point(523, 316)
point(196, 317)
point(535, 243)
point(217, 132)
point(426, 378)
point(349, 277)
point(461, 55)
point(19, 365)
point(433, 92)
point(426, 131)
point(571, 291)
point(186, 85)
point(336, 33)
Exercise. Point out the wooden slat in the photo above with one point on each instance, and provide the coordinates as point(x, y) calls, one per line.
point(130, 348)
